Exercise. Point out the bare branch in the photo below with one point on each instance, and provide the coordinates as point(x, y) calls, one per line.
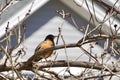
point(61, 63)
point(108, 6)
point(88, 40)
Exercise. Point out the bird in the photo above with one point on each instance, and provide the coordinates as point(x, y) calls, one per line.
point(47, 43)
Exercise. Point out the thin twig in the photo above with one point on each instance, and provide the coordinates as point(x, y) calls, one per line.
point(53, 73)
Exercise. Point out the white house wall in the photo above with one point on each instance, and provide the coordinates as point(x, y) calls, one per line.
point(46, 21)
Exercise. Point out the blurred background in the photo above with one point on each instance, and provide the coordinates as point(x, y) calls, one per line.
point(43, 19)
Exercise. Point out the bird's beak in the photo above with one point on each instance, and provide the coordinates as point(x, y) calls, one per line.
point(55, 36)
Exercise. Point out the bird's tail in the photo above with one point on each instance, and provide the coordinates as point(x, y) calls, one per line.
point(34, 58)
point(38, 58)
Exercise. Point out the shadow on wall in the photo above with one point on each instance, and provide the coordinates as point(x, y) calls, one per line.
point(43, 15)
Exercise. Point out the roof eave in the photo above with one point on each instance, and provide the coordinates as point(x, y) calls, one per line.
point(18, 10)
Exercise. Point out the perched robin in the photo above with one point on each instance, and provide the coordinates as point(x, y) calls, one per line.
point(47, 43)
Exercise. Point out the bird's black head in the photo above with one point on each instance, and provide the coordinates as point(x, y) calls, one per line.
point(50, 37)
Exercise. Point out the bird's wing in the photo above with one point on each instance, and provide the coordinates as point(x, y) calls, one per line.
point(38, 47)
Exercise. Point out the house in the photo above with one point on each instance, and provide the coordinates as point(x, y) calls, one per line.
point(43, 20)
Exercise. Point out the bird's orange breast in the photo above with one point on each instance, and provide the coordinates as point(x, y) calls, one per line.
point(46, 44)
